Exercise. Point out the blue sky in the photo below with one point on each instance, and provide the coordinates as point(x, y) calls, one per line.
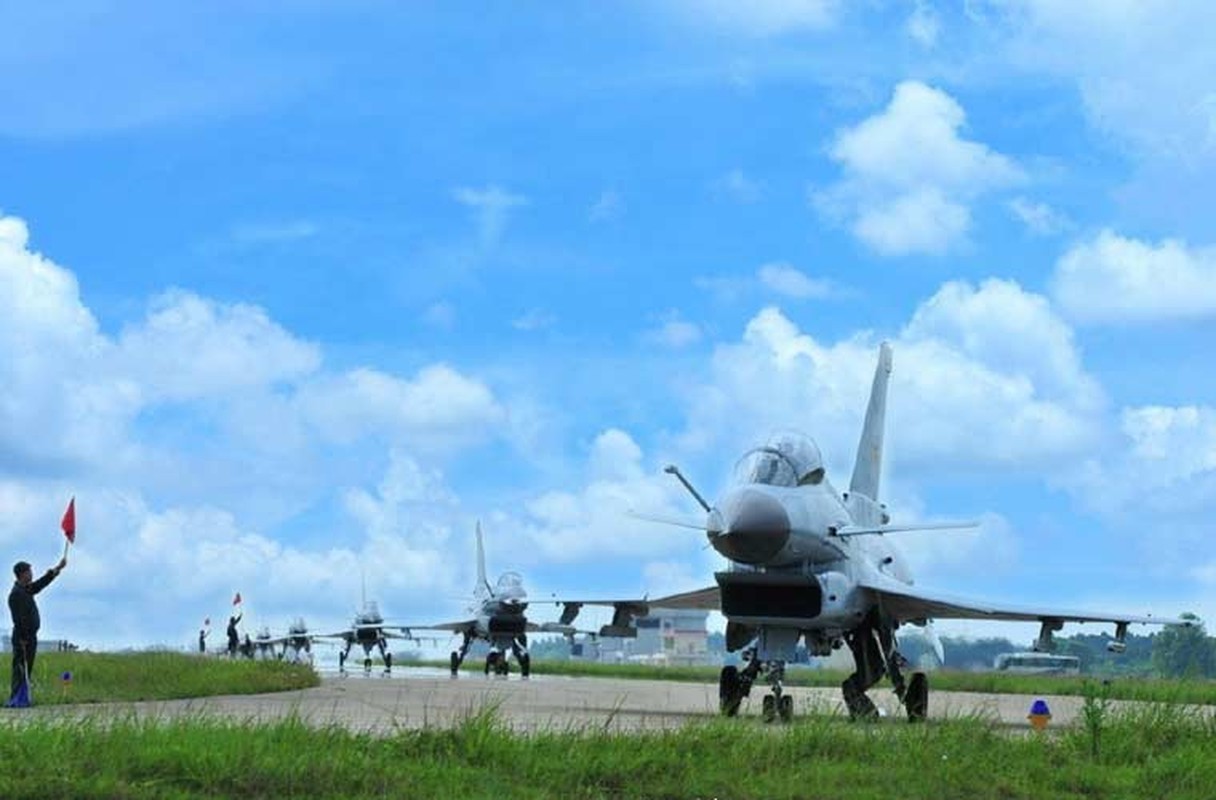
point(296, 292)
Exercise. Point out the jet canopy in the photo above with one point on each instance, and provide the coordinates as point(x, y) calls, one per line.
point(788, 459)
point(510, 584)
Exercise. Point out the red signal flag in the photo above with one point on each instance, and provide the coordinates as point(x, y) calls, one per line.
point(69, 521)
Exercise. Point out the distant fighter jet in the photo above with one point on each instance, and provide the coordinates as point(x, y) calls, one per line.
point(369, 630)
point(496, 615)
point(296, 644)
point(810, 563)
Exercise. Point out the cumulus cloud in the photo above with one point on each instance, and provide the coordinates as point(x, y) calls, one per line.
point(1112, 279)
point(1144, 70)
point(438, 407)
point(909, 176)
point(985, 376)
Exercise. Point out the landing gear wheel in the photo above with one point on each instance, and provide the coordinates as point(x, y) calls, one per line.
point(503, 667)
point(916, 698)
point(785, 707)
point(367, 665)
point(492, 663)
point(525, 665)
point(455, 664)
point(730, 693)
point(768, 709)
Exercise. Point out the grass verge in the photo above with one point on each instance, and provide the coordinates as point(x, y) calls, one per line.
point(101, 677)
point(1156, 751)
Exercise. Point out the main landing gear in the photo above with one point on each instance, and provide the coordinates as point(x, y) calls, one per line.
point(497, 661)
point(875, 655)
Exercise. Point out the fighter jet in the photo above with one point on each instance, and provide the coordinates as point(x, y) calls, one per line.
point(810, 563)
point(296, 644)
point(369, 630)
point(496, 615)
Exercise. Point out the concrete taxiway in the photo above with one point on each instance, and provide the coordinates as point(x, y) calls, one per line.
point(384, 704)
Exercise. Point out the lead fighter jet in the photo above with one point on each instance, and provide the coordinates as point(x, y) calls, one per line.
point(809, 562)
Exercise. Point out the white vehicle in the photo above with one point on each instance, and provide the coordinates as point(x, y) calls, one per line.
point(1037, 664)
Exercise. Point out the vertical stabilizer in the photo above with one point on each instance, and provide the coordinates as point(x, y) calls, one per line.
point(481, 561)
point(869, 450)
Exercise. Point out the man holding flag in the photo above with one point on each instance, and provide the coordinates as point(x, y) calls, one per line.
point(24, 610)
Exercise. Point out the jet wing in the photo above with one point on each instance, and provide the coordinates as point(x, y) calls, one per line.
point(906, 603)
point(456, 627)
point(707, 599)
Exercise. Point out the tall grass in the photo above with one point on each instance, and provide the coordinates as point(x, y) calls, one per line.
point(1156, 751)
point(99, 677)
point(1201, 692)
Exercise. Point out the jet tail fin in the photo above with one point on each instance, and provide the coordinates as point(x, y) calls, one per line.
point(481, 561)
point(868, 465)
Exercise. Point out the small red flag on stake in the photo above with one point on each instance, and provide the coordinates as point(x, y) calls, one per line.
point(69, 521)
point(236, 601)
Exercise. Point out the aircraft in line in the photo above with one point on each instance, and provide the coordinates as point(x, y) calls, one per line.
point(810, 563)
point(496, 614)
point(296, 644)
point(368, 630)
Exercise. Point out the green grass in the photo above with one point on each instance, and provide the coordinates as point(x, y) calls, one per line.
point(1201, 692)
point(1156, 751)
point(100, 677)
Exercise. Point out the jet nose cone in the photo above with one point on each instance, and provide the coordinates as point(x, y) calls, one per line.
point(755, 528)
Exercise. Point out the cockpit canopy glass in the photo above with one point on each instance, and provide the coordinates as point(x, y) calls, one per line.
point(371, 612)
point(788, 459)
point(511, 584)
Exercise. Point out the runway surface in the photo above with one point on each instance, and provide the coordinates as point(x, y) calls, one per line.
point(384, 704)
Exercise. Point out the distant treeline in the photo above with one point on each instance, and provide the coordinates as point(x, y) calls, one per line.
point(1174, 652)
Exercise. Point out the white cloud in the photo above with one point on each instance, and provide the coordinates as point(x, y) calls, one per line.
point(674, 332)
point(986, 377)
point(923, 25)
point(438, 408)
point(737, 186)
point(1039, 218)
point(493, 206)
point(786, 280)
point(1145, 71)
point(190, 347)
point(909, 176)
point(759, 18)
point(1114, 279)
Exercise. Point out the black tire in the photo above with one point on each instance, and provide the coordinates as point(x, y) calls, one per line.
point(768, 709)
point(730, 693)
point(525, 665)
point(503, 666)
point(491, 662)
point(785, 707)
point(916, 698)
point(455, 664)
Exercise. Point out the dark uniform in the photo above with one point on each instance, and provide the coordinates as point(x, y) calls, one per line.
point(234, 640)
point(25, 625)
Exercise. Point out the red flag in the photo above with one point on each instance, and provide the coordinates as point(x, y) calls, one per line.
point(236, 601)
point(69, 521)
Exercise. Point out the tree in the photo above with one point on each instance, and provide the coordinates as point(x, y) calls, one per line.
point(1185, 652)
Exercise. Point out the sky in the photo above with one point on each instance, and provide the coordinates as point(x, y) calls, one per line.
point(293, 294)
